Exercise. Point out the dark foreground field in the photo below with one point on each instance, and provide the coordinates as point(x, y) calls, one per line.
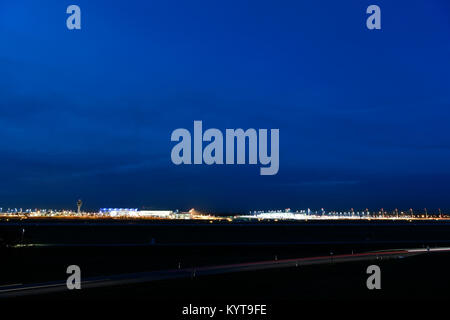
point(421, 280)
point(416, 277)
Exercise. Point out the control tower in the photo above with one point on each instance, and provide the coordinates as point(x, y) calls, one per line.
point(79, 204)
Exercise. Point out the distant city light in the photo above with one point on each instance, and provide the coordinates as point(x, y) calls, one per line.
point(193, 214)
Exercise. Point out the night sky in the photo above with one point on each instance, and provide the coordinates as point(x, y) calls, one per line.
point(363, 115)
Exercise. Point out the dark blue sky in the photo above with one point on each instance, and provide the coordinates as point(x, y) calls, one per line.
point(363, 115)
